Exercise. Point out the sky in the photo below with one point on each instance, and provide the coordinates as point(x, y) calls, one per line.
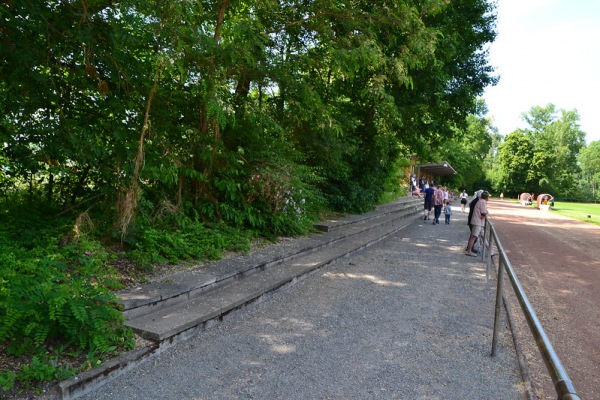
point(546, 51)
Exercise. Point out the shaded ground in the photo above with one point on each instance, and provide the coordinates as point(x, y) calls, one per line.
point(410, 317)
point(557, 260)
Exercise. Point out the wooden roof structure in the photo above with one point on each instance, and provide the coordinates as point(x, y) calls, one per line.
point(441, 168)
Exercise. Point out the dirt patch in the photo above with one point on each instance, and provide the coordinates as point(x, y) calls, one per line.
point(557, 261)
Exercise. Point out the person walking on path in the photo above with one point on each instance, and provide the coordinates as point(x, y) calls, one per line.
point(448, 212)
point(428, 203)
point(438, 202)
point(477, 221)
point(463, 200)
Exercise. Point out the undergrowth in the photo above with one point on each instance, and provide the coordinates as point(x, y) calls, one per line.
point(58, 312)
point(56, 300)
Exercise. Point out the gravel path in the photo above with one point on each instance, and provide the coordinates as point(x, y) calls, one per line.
point(408, 318)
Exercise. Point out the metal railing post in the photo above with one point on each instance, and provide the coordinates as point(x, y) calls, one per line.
point(482, 238)
point(499, 291)
point(487, 237)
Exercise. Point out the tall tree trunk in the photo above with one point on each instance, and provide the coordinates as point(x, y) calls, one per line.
point(129, 202)
point(49, 192)
point(220, 19)
point(31, 187)
point(207, 121)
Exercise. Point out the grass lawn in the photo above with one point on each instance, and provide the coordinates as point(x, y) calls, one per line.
point(579, 211)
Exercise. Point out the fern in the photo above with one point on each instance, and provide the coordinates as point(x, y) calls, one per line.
point(78, 311)
point(52, 298)
point(40, 334)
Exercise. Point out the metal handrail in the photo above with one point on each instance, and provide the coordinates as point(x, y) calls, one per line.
point(562, 384)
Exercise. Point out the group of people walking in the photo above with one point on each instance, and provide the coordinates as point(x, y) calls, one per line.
point(437, 197)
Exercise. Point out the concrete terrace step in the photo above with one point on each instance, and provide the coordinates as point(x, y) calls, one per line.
point(383, 211)
point(192, 299)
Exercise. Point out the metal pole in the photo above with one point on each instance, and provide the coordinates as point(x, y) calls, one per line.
point(499, 291)
point(482, 245)
point(488, 268)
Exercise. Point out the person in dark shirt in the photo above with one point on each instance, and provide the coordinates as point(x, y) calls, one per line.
point(428, 204)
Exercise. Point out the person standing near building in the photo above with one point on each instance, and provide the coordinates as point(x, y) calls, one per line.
point(477, 221)
point(413, 183)
point(438, 202)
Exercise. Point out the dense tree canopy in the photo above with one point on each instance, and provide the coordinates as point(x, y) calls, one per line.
point(543, 158)
point(515, 157)
point(248, 112)
point(468, 150)
point(589, 160)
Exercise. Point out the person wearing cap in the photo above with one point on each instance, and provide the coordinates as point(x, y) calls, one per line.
point(472, 205)
point(477, 221)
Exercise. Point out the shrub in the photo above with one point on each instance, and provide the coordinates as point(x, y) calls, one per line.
point(59, 294)
point(184, 239)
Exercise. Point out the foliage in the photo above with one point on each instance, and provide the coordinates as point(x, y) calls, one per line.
point(187, 241)
point(515, 157)
point(175, 130)
point(41, 368)
point(467, 153)
point(589, 160)
point(54, 294)
point(58, 295)
point(395, 186)
point(136, 101)
point(543, 158)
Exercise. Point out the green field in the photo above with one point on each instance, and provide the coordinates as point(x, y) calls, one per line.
point(579, 211)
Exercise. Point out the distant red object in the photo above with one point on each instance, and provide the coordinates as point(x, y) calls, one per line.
point(526, 198)
point(545, 201)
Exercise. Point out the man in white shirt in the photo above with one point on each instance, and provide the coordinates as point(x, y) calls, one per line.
point(477, 221)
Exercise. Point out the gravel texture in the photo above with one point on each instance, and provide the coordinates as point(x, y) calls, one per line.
point(408, 318)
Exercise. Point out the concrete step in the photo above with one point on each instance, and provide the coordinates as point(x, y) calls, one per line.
point(191, 299)
point(383, 211)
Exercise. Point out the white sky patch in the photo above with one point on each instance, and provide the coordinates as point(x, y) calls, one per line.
point(547, 51)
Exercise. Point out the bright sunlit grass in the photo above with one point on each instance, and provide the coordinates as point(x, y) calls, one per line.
point(579, 211)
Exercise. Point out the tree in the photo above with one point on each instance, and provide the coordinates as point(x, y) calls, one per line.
point(589, 159)
point(515, 157)
point(221, 109)
point(467, 151)
point(557, 141)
